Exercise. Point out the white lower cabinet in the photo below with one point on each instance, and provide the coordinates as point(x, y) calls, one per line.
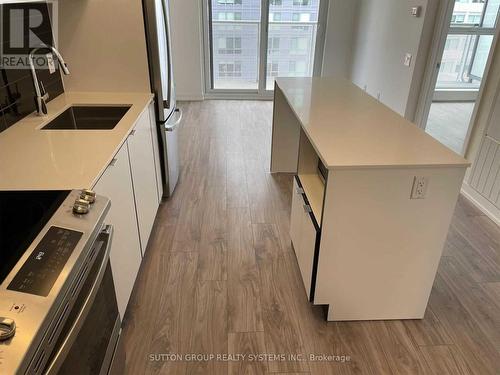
point(131, 182)
point(303, 233)
point(143, 168)
point(116, 184)
point(156, 150)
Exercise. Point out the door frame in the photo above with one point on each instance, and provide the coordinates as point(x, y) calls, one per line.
point(441, 31)
point(260, 93)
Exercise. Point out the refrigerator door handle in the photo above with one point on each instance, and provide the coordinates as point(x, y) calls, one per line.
point(173, 126)
point(167, 101)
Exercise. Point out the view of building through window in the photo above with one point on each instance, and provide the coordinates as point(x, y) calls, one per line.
point(468, 44)
point(463, 63)
point(236, 41)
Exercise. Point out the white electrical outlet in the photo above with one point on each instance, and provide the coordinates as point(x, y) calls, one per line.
point(419, 189)
point(407, 59)
point(415, 11)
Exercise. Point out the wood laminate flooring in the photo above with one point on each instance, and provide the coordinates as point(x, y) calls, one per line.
point(220, 276)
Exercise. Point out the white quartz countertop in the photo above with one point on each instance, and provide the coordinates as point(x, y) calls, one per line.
point(32, 159)
point(350, 129)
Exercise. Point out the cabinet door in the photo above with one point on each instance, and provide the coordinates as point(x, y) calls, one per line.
point(303, 234)
point(116, 184)
point(296, 217)
point(142, 165)
point(307, 249)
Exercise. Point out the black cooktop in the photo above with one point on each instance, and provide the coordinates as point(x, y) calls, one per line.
point(23, 214)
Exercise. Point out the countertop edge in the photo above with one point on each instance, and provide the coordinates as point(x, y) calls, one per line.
point(465, 163)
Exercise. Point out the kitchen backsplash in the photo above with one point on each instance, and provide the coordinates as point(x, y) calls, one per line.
point(16, 86)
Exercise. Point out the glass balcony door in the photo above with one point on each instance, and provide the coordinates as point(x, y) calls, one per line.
point(235, 44)
point(292, 37)
point(468, 43)
point(248, 43)
point(466, 47)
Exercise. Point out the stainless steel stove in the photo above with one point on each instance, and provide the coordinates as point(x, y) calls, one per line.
point(58, 311)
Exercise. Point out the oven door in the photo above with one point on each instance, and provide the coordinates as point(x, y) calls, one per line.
point(88, 340)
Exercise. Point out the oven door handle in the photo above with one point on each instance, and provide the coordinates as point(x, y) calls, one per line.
point(60, 356)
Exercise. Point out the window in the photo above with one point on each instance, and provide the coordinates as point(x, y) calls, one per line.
point(301, 17)
point(272, 69)
point(229, 2)
point(474, 19)
point(273, 44)
point(229, 16)
point(451, 43)
point(458, 18)
point(301, 28)
point(297, 68)
point(275, 16)
point(467, 48)
point(229, 45)
point(305, 17)
point(298, 45)
point(230, 70)
point(461, 69)
point(238, 45)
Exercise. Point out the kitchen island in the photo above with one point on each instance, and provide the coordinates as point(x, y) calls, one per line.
point(372, 202)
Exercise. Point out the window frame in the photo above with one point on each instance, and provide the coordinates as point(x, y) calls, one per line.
point(261, 92)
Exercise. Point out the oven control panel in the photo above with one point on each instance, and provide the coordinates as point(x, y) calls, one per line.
point(40, 271)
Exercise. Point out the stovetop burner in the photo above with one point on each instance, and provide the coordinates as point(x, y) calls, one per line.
point(23, 214)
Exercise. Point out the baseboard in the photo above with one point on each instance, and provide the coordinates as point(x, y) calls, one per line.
point(187, 97)
point(488, 208)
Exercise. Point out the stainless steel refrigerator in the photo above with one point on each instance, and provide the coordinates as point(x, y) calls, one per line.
point(168, 116)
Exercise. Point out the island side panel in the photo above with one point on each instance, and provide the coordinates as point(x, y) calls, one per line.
point(379, 249)
point(285, 135)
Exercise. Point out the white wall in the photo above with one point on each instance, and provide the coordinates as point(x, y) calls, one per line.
point(187, 44)
point(339, 38)
point(187, 48)
point(385, 32)
point(104, 44)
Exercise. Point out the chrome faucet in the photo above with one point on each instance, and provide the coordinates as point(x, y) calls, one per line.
point(41, 95)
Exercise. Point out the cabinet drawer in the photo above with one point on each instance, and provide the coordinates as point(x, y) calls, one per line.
point(296, 215)
point(304, 233)
point(305, 257)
